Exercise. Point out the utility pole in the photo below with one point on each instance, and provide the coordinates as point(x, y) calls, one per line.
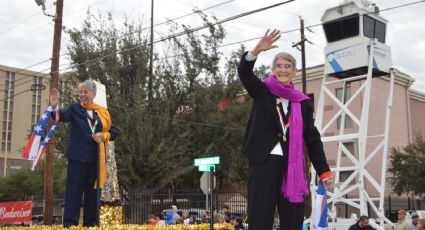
point(303, 77)
point(151, 60)
point(54, 76)
point(301, 43)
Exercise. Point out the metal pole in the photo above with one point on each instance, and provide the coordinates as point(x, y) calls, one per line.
point(304, 77)
point(212, 197)
point(206, 201)
point(307, 200)
point(151, 59)
point(48, 173)
point(7, 124)
point(98, 190)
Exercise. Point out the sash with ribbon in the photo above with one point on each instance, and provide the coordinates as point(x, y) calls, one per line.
point(105, 118)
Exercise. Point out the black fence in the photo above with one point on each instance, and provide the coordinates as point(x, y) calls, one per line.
point(140, 203)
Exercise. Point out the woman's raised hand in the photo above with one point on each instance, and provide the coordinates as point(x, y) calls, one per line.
point(266, 42)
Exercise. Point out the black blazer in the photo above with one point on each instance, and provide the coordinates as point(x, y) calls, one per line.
point(264, 130)
point(81, 146)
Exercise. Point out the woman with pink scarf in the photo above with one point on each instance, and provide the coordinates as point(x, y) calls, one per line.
point(280, 125)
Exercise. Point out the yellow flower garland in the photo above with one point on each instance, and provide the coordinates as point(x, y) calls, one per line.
point(130, 227)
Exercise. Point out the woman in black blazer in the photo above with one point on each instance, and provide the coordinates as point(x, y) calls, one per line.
point(280, 125)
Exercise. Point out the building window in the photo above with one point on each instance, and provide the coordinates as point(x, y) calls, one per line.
point(342, 28)
point(36, 101)
point(9, 90)
point(373, 28)
point(344, 99)
point(343, 176)
point(350, 147)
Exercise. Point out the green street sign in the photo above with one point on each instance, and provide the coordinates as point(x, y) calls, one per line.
point(207, 161)
point(206, 168)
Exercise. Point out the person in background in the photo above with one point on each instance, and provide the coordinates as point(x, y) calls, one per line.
point(205, 216)
point(362, 223)
point(152, 220)
point(239, 224)
point(89, 132)
point(192, 219)
point(280, 126)
point(224, 211)
point(160, 218)
point(415, 218)
point(402, 221)
point(420, 225)
point(185, 217)
point(176, 216)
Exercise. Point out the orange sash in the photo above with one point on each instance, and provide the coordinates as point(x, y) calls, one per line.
point(105, 118)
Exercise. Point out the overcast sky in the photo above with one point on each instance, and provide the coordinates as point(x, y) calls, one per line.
point(26, 34)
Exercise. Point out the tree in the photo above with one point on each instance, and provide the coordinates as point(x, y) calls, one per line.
point(158, 141)
point(408, 168)
point(23, 184)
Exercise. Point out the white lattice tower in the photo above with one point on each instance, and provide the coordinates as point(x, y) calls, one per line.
point(361, 136)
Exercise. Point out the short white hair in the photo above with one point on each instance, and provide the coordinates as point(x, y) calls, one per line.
point(89, 83)
point(287, 57)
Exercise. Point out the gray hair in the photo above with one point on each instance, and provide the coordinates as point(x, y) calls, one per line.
point(89, 83)
point(287, 57)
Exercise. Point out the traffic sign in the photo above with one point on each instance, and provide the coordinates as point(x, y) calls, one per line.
point(206, 168)
point(204, 182)
point(207, 161)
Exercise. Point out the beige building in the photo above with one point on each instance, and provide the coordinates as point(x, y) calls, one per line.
point(23, 98)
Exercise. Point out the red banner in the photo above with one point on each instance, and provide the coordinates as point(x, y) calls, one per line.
point(20, 211)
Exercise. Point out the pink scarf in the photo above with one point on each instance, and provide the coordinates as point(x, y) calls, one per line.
point(294, 182)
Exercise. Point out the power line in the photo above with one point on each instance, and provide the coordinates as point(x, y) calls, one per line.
point(64, 54)
point(202, 27)
point(178, 34)
point(238, 16)
point(219, 22)
point(19, 22)
point(173, 19)
point(197, 123)
point(161, 117)
point(25, 36)
point(399, 6)
point(27, 69)
point(183, 16)
point(28, 34)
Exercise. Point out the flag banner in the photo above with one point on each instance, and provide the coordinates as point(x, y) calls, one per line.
point(320, 211)
point(35, 148)
point(43, 146)
point(11, 212)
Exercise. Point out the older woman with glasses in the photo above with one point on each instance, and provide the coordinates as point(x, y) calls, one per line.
point(280, 125)
point(89, 131)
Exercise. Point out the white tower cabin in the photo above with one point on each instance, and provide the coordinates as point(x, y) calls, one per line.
point(349, 29)
point(355, 54)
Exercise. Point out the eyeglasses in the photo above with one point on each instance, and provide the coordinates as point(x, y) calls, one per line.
point(284, 66)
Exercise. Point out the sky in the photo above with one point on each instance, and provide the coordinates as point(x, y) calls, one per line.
point(26, 34)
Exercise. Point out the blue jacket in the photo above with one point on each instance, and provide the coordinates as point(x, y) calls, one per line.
point(81, 146)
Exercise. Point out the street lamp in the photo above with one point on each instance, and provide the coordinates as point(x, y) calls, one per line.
point(43, 7)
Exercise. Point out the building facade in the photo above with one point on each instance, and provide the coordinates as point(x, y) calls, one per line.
point(24, 96)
